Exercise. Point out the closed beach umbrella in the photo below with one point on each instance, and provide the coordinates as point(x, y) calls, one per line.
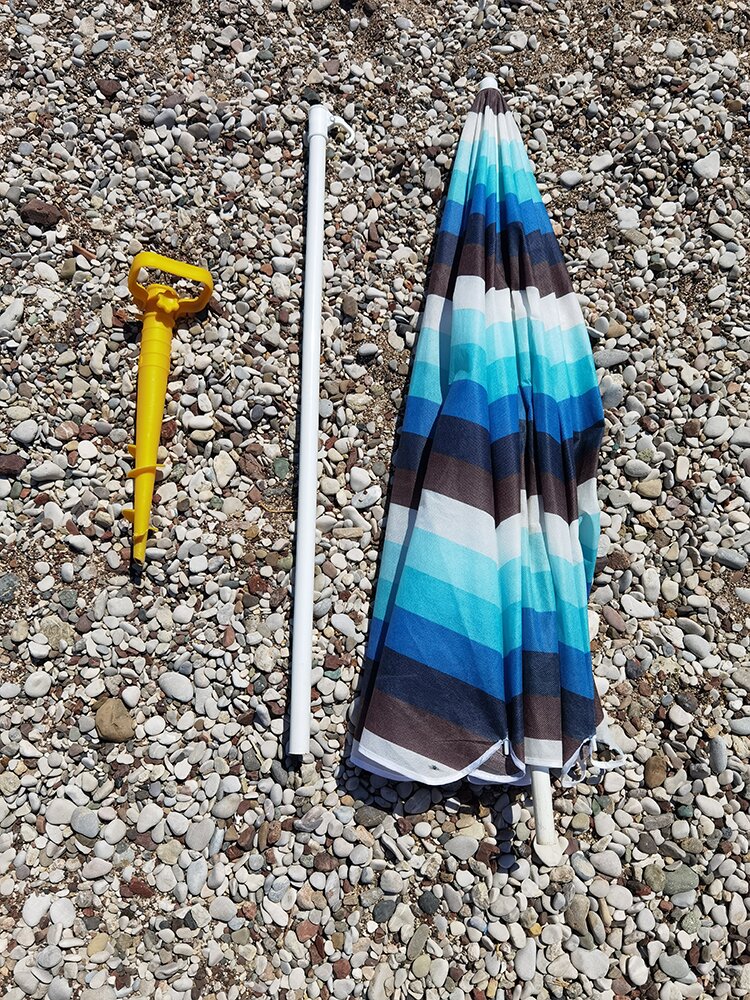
point(478, 661)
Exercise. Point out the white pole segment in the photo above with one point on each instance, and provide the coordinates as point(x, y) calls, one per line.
point(319, 122)
point(489, 83)
point(541, 794)
point(309, 405)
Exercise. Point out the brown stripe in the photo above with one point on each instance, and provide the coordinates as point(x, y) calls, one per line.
point(406, 488)
point(470, 485)
point(423, 733)
point(490, 98)
point(501, 766)
point(461, 480)
point(473, 261)
point(541, 717)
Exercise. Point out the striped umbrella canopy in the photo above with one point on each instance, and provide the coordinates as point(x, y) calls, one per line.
point(478, 661)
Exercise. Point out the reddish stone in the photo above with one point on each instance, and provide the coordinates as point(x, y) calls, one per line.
point(250, 466)
point(486, 852)
point(277, 597)
point(12, 465)
point(108, 88)
point(342, 968)
point(274, 832)
point(136, 887)
point(317, 950)
point(40, 213)
point(83, 625)
point(617, 559)
point(613, 618)
point(257, 585)
point(246, 838)
point(324, 862)
point(168, 430)
point(307, 931)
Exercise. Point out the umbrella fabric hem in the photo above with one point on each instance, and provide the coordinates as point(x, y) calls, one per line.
point(372, 762)
point(585, 757)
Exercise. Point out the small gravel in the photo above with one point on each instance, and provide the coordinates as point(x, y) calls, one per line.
point(154, 839)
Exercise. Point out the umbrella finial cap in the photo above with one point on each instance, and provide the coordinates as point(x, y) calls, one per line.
point(489, 83)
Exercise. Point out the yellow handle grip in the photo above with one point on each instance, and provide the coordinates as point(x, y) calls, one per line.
point(178, 269)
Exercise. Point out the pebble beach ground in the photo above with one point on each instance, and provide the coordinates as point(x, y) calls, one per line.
point(153, 842)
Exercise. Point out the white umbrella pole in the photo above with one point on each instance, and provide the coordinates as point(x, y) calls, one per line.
point(319, 123)
point(541, 794)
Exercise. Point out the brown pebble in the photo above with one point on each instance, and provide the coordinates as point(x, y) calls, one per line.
point(113, 721)
point(655, 771)
point(108, 87)
point(324, 862)
point(40, 213)
point(12, 464)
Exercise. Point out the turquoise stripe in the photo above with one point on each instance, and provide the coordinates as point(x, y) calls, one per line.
point(481, 620)
point(588, 532)
point(573, 625)
point(472, 572)
point(428, 381)
point(504, 183)
point(494, 172)
point(491, 162)
point(468, 362)
point(500, 340)
point(567, 576)
point(443, 604)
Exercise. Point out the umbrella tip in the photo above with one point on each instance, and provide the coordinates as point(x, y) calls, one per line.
point(489, 83)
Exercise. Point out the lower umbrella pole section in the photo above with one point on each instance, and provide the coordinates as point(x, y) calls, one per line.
point(541, 794)
point(309, 405)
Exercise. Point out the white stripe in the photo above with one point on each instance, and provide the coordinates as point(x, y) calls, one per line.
point(474, 529)
point(396, 763)
point(543, 753)
point(471, 528)
point(438, 314)
point(588, 501)
point(505, 304)
point(505, 124)
point(399, 523)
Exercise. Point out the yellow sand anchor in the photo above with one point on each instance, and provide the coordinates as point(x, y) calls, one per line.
point(161, 307)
